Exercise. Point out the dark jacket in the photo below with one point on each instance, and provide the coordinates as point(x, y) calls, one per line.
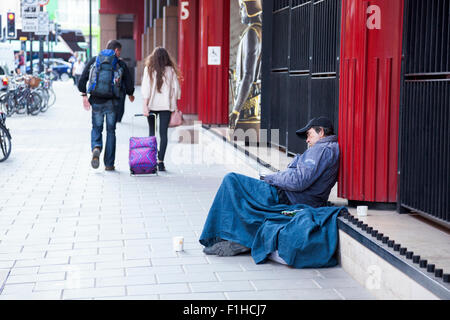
point(310, 177)
point(128, 82)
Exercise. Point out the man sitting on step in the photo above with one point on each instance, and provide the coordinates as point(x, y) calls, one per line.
point(242, 204)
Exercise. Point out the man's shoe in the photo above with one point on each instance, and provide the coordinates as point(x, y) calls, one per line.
point(161, 166)
point(214, 249)
point(110, 168)
point(226, 249)
point(95, 158)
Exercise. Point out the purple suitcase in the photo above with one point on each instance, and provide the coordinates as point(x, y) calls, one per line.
point(143, 155)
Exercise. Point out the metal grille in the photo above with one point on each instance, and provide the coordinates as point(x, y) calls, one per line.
point(296, 117)
point(280, 39)
point(296, 3)
point(323, 98)
point(425, 148)
point(278, 105)
point(325, 36)
point(427, 36)
point(280, 4)
point(300, 30)
point(288, 37)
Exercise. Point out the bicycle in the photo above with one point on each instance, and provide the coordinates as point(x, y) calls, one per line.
point(21, 97)
point(46, 91)
point(5, 137)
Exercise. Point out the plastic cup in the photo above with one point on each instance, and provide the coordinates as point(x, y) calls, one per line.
point(361, 211)
point(178, 243)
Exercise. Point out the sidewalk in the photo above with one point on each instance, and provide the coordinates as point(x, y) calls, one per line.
point(68, 231)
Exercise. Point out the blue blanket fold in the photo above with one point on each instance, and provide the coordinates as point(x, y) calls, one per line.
point(246, 211)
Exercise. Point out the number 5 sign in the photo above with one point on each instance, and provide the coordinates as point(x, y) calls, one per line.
point(184, 10)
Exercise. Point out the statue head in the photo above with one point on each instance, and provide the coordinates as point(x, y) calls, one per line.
point(250, 10)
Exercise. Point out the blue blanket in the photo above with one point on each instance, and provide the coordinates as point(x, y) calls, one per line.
point(246, 211)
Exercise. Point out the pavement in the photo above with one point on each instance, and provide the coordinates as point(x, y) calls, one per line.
point(68, 231)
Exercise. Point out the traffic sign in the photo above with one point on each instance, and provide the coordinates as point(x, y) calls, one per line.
point(30, 9)
point(29, 25)
point(43, 24)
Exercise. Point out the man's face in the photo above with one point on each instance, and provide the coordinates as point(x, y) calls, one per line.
point(117, 52)
point(312, 136)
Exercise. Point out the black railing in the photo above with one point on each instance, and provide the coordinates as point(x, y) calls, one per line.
point(424, 149)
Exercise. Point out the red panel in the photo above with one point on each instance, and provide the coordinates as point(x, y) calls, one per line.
point(214, 30)
point(188, 55)
point(135, 7)
point(369, 101)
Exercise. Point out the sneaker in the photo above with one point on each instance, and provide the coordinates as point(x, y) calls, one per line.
point(161, 166)
point(110, 168)
point(226, 249)
point(95, 158)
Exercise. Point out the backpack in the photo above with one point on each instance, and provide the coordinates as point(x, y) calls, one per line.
point(105, 76)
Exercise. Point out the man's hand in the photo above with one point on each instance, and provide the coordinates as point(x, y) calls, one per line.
point(131, 98)
point(86, 104)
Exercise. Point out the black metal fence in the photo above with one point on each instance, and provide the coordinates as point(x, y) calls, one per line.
point(424, 151)
point(300, 66)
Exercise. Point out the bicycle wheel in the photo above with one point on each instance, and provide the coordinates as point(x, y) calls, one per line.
point(4, 104)
point(18, 105)
point(8, 104)
point(34, 103)
point(5, 143)
point(44, 95)
point(51, 97)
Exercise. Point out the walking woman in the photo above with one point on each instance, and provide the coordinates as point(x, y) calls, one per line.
point(160, 89)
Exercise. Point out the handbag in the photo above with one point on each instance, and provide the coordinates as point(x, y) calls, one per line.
point(176, 119)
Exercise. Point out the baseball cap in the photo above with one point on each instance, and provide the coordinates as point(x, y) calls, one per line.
point(315, 122)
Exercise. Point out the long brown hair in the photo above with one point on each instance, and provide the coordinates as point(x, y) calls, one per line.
point(157, 61)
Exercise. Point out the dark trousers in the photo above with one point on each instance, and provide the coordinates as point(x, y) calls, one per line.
point(121, 106)
point(164, 119)
point(99, 113)
point(77, 78)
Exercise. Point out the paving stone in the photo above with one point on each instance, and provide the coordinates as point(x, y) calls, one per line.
point(221, 286)
point(125, 281)
point(158, 289)
point(67, 284)
point(304, 294)
point(186, 278)
point(45, 295)
point(93, 292)
point(355, 293)
point(27, 278)
point(154, 270)
point(194, 296)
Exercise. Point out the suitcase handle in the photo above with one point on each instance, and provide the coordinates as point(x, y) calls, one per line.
point(141, 115)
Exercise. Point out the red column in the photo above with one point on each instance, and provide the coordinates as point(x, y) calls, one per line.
point(369, 99)
point(188, 54)
point(214, 30)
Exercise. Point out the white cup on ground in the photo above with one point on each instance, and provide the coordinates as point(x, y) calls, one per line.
point(361, 211)
point(178, 243)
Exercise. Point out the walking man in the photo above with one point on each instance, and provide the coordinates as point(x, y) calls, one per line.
point(102, 79)
point(77, 70)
